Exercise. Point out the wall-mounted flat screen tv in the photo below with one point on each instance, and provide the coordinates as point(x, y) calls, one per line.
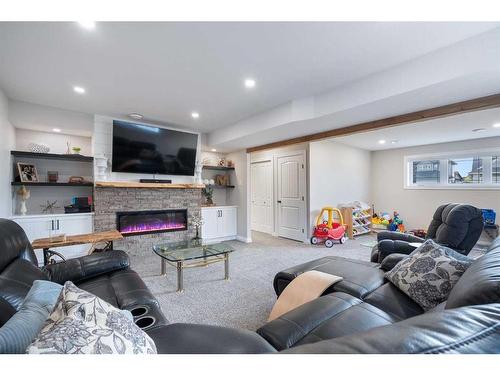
point(147, 149)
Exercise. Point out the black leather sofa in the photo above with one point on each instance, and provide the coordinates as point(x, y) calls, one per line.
point(454, 225)
point(106, 275)
point(361, 314)
point(364, 314)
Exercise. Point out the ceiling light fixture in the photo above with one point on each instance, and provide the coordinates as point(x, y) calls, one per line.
point(477, 130)
point(136, 116)
point(57, 130)
point(381, 141)
point(79, 90)
point(249, 83)
point(394, 141)
point(497, 125)
point(213, 150)
point(89, 25)
point(195, 115)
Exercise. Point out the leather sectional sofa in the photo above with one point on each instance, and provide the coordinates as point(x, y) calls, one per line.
point(361, 314)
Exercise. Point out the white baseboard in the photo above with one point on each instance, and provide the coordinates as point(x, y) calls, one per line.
point(244, 239)
point(219, 239)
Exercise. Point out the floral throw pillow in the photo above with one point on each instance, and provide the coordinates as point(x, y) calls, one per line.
point(82, 323)
point(429, 273)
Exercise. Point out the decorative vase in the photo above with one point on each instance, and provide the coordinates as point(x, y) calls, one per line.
point(23, 209)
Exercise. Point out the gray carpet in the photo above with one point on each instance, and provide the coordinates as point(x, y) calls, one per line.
point(247, 298)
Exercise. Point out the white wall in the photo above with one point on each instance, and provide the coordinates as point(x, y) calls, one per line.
point(102, 144)
point(31, 116)
point(416, 206)
point(338, 174)
point(8, 143)
point(56, 141)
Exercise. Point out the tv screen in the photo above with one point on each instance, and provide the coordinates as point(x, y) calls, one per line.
point(146, 149)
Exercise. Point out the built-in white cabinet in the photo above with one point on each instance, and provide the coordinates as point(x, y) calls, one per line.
point(42, 226)
point(219, 223)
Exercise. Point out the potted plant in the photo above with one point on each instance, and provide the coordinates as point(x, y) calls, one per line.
point(208, 193)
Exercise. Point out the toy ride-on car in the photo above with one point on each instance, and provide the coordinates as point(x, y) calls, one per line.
point(328, 231)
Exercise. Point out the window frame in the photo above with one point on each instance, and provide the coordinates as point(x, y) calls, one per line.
point(487, 164)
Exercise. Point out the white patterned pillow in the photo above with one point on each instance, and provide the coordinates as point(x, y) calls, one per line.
point(82, 323)
point(429, 273)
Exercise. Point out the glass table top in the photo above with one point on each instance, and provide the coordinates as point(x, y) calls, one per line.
point(190, 249)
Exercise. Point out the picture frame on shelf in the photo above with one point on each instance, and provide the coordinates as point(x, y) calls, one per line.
point(27, 172)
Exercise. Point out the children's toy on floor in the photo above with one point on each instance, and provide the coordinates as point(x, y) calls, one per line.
point(328, 231)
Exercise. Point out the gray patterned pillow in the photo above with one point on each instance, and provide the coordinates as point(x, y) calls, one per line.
point(429, 273)
point(82, 323)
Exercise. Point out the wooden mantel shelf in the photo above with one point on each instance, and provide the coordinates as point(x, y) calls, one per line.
point(149, 185)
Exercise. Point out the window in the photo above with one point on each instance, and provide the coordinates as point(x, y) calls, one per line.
point(465, 171)
point(495, 169)
point(426, 172)
point(455, 170)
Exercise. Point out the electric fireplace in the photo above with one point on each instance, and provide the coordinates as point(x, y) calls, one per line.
point(133, 223)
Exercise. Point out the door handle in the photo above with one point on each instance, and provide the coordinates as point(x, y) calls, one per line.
point(52, 224)
point(279, 201)
point(58, 224)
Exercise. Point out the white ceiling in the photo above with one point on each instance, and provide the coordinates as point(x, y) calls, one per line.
point(446, 129)
point(166, 70)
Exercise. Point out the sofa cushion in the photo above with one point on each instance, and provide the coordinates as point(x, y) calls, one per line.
point(466, 330)
point(429, 273)
point(359, 277)
point(480, 284)
point(329, 316)
point(16, 281)
point(82, 323)
point(394, 302)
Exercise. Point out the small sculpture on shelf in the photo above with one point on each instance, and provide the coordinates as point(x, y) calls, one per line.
point(222, 162)
point(221, 180)
point(52, 176)
point(230, 164)
point(49, 208)
point(208, 193)
point(24, 195)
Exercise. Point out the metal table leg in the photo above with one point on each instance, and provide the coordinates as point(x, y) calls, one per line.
point(180, 283)
point(163, 267)
point(226, 266)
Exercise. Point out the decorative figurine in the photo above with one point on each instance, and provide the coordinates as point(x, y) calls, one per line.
point(49, 207)
point(24, 194)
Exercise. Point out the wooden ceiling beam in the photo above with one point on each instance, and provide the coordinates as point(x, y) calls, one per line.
point(477, 104)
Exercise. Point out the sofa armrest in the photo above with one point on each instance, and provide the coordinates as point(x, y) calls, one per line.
point(388, 247)
point(78, 269)
point(391, 260)
point(388, 235)
point(183, 338)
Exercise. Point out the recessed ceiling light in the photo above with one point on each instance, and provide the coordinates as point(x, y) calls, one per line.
point(249, 83)
point(79, 90)
point(136, 116)
point(497, 125)
point(394, 141)
point(381, 141)
point(195, 115)
point(89, 25)
point(57, 130)
point(478, 130)
point(213, 150)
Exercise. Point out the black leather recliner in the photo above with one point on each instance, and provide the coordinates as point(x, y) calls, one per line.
point(457, 226)
point(107, 275)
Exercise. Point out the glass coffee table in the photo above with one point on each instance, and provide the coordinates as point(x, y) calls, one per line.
point(192, 253)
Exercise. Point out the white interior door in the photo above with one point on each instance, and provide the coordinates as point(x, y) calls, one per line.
point(261, 175)
point(291, 196)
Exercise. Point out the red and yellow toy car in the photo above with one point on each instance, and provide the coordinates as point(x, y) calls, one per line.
point(328, 231)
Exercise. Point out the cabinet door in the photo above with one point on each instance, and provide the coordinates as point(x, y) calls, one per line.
point(71, 225)
point(228, 221)
point(209, 228)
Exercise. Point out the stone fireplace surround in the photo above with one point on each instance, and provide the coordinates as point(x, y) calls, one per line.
point(110, 199)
